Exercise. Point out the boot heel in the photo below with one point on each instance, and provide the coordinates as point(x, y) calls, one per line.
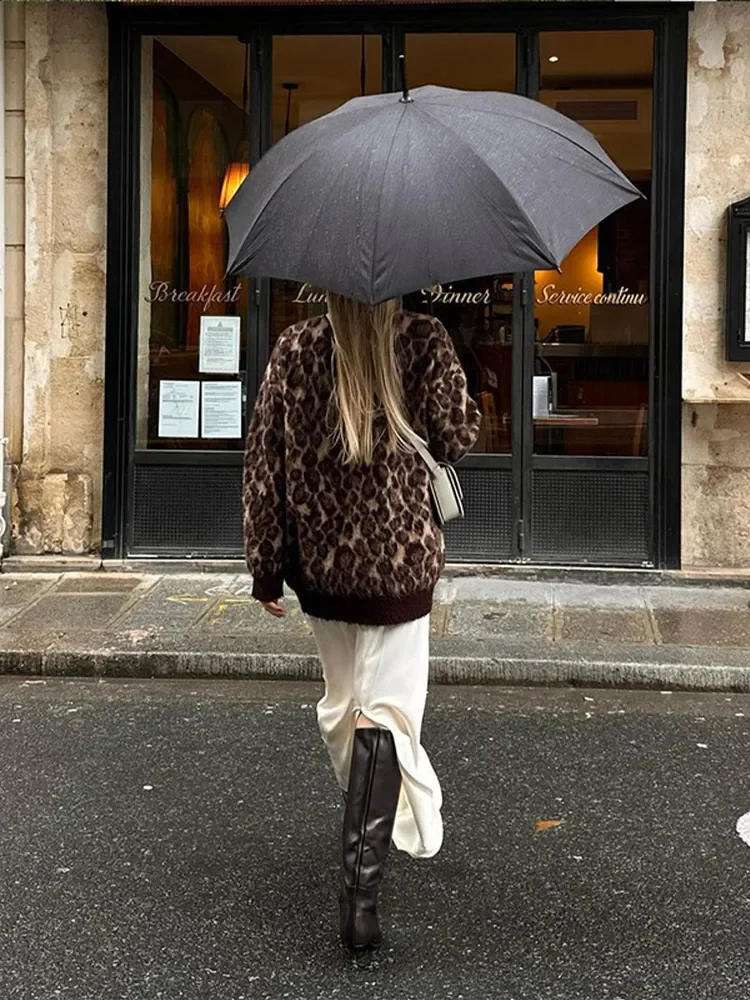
point(357, 907)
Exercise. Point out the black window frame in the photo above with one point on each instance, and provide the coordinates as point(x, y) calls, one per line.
point(257, 24)
point(738, 231)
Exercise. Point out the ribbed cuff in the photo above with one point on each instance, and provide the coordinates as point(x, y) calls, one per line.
point(268, 587)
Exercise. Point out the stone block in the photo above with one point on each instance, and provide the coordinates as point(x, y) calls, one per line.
point(14, 284)
point(718, 120)
point(245, 616)
point(15, 78)
point(66, 513)
point(15, 22)
point(75, 400)
point(175, 604)
point(715, 516)
point(14, 329)
point(475, 619)
point(17, 592)
point(599, 625)
point(66, 612)
point(63, 98)
point(14, 145)
point(15, 212)
point(710, 627)
point(100, 583)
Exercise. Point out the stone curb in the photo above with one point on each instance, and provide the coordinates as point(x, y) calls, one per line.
point(509, 572)
point(577, 671)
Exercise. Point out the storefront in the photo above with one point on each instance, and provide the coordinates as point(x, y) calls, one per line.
point(577, 374)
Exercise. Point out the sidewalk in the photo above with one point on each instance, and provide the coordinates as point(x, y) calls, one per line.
point(484, 630)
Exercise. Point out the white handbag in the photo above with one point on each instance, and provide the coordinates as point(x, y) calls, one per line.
point(445, 489)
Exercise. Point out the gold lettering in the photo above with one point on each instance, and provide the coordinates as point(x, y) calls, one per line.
point(549, 295)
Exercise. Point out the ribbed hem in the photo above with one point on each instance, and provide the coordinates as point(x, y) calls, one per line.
point(268, 588)
point(383, 610)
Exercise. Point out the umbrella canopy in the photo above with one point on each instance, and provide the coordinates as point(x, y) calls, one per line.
point(389, 194)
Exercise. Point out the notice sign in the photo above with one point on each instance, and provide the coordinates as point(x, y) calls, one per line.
point(220, 345)
point(221, 415)
point(178, 409)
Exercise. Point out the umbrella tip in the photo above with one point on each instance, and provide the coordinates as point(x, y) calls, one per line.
point(405, 99)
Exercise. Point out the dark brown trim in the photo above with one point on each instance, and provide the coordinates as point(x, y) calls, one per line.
point(383, 610)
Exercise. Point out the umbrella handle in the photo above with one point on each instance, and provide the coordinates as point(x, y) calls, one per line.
point(405, 99)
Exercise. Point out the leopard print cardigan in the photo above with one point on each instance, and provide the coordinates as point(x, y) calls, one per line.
point(356, 544)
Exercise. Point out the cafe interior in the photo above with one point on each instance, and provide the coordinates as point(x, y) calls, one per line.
point(589, 372)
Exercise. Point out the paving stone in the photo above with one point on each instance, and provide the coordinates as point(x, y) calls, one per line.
point(580, 625)
point(699, 598)
point(175, 603)
point(233, 615)
point(482, 589)
point(510, 618)
point(16, 592)
point(701, 627)
point(578, 595)
point(100, 583)
point(67, 613)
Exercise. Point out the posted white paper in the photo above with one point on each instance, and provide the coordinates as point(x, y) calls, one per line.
point(220, 345)
point(178, 408)
point(221, 414)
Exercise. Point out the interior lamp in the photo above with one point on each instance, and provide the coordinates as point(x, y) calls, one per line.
point(239, 166)
point(234, 175)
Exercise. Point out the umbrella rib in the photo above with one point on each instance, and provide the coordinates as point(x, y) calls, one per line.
point(608, 162)
point(306, 156)
point(380, 199)
point(542, 246)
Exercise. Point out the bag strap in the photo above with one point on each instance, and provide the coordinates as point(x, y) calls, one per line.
point(423, 451)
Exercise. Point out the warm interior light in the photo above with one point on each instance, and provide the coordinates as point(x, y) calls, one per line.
point(234, 176)
point(554, 58)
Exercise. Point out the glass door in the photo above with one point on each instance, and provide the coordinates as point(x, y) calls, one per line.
point(482, 315)
point(194, 342)
point(590, 382)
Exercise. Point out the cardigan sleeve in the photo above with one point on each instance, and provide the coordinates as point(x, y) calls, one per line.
point(453, 418)
point(263, 486)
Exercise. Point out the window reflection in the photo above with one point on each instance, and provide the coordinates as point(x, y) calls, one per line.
point(478, 313)
point(193, 133)
point(479, 316)
point(312, 75)
point(592, 320)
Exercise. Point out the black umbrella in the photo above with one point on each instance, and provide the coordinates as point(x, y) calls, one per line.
point(393, 193)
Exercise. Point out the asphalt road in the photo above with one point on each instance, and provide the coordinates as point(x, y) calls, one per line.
point(170, 839)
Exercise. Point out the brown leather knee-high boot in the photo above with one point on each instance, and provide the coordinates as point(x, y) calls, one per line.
point(371, 801)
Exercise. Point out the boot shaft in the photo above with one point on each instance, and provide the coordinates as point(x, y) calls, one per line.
point(371, 801)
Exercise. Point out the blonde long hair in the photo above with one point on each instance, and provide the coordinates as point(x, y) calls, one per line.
point(367, 376)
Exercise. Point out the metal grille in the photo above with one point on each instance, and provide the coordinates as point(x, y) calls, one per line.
point(590, 517)
point(486, 533)
point(196, 510)
point(181, 510)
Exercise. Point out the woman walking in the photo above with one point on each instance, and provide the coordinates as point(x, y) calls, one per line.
point(336, 504)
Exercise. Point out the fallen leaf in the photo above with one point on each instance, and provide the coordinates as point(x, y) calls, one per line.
point(546, 824)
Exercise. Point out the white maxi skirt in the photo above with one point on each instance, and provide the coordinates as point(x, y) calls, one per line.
point(382, 671)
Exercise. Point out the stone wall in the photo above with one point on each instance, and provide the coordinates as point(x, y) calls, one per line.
point(57, 487)
point(15, 99)
point(716, 409)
